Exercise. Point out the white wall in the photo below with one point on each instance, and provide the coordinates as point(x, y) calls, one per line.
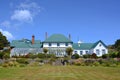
point(100, 48)
point(78, 52)
point(55, 45)
point(45, 45)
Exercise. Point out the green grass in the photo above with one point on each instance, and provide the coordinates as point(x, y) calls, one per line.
point(60, 73)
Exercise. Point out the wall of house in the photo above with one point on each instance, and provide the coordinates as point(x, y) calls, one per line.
point(59, 51)
point(100, 49)
point(79, 52)
point(55, 45)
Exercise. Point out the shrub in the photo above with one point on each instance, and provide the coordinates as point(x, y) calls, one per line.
point(5, 65)
point(33, 64)
point(75, 56)
point(41, 55)
point(51, 56)
point(22, 65)
point(31, 55)
point(104, 56)
point(89, 62)
point(86, 56)
point(96, 63)
point(22, 61)
point(94, 56)
point(79, 62)
point(11, 63)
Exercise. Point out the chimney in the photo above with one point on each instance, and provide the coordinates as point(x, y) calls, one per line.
point(33, 39)
point(69, 37)
point(46, 35)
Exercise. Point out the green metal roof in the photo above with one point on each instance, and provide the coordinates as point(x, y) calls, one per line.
point(83, 46)
point(57, 38)
point(86, 46)
point(25, 43)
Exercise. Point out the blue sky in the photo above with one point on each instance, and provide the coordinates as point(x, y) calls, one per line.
point(86, 20)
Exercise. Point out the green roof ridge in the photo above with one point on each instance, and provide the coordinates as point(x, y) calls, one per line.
point(57, 38)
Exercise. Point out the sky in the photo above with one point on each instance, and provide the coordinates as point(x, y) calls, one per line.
point(85, 20)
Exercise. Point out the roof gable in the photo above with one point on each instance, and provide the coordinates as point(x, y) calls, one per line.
point(95, 44)
point(57, 38)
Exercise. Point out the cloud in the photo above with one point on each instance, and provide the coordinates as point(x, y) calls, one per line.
point(25, 12)
point(22, 15)
point(33, 7)
point(6, 24)
point(7, 34)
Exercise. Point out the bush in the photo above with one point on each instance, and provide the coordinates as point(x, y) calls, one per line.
point(94, 56)
point(96, 63)
point(22, 65)
point(106, 64)
point(5, 65)
point(31, 55)
point(104, 56)
point(86, 56)
point(22, 61)
point(34, 64)
point(51, 56)
point(41, 55)
point(75, 56)
point(79, 62)
point(89, 62)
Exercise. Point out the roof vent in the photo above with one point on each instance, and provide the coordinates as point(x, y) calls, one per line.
point(79, 42)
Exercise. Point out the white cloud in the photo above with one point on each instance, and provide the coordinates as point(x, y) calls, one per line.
point(22, 15)
point(25, 12)
point(6, 24)
point(33, 7)
point(7, 34)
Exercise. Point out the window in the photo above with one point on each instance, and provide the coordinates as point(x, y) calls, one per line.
point(58, 44)
point(103, 51)
point(81, 52)
point(75, 52)
point(99, 45)
point(97, 51)
point(66, 44)
point(86, 52)
point(49, 44)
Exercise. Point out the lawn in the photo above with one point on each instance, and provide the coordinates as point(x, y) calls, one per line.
point(60, 73)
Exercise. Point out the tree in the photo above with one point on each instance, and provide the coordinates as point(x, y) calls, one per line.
point(118, 54)
point(75, 56)
point(5, 54)
point(94, 56)
point(117, 45)
point(69, 51)
point(45, 50)
point(3, 41)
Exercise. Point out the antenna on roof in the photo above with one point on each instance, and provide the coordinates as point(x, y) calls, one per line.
point(46, 35)
point(69, 37)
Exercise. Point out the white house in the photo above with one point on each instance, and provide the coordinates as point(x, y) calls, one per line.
point(99, 48)
point(57, 44)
